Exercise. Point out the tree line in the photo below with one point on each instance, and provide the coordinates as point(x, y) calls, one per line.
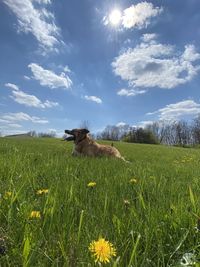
point(175, 133)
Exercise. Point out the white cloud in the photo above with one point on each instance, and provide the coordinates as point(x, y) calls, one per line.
point(29, 100)
point(139, 15)
point(26, 77)
point(130, 92)
point(12, 86)
point(67, 69)
point(14, 125)
point(93, 98)
point(43, 1)
point(190, 54)
point(50, 104)
point(135, 16)
point(21, 116)
point(148, 37)
point(49, 78)
point(177, 110)
point(151, 64)
point(36, 20)
point(121, 124)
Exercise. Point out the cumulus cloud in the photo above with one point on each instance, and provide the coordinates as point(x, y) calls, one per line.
point(36, 19)
point(130, 92)
point(93, 98)
point(49, 78)
point(21, 116)
point(177, 110)
point(139, 15)
point(29, 100)
point(136, 16)
point(12, 86)
point(151, 64)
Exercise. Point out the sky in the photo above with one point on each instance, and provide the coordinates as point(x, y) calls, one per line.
point(104, 62)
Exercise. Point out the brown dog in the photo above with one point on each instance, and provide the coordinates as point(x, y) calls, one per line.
point(85, 145)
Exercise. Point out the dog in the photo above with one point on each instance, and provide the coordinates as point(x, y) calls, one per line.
point(86, 146)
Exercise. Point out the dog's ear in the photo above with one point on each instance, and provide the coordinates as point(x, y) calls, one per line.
point(86, 131)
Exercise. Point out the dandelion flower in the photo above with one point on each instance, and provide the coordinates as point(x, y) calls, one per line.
point(42, 191)
point(133, 181)
point(7, 194)
point(91, 184)
point(35, 214)
point(102, 250)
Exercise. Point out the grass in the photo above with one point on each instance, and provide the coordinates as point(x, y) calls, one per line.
point(150, 220)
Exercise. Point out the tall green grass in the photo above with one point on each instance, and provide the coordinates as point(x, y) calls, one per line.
point(150, 221)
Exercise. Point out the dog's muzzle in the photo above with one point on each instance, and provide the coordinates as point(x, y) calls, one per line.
point(69, 138)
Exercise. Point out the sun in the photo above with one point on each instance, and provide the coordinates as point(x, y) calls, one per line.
point(115, 17)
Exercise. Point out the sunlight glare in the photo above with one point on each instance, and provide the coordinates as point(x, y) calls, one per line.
point(115, 17)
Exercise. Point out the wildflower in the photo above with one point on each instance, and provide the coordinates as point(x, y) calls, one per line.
point(126, 202)
point(42, 191)
point(7, 195)
point(91, 184)
point(133, 181)
point(102, 250)
point(35, 214)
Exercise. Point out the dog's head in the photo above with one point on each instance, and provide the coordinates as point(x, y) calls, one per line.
point(77, 135)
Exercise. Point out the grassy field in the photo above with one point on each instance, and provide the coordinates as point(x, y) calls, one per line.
point(147, 209)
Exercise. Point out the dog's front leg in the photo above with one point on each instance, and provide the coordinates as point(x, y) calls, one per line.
point(75, 153)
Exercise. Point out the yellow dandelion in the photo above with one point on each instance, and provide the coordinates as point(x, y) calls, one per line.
point(7, 195)
point(102, 250)
point(35, 214)
point(91, 184)
point(42, 191)
point(133, 181)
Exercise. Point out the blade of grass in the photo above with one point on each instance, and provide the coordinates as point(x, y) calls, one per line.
point(134, 250)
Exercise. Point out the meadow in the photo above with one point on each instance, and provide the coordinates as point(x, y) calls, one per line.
point(50, 212)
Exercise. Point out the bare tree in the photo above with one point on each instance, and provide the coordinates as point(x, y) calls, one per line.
point(196, 129)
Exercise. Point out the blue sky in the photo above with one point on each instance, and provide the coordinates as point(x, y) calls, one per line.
point(107, 62)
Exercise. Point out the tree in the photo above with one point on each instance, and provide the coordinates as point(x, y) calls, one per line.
point(32, 134)
point(140, 135)
point(196, 130)
point(51, 134)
